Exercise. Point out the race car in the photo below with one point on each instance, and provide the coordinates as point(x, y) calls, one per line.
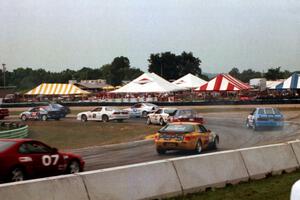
point(161, 116)
point(141, 109)
point(104, 114)
point(185, 136)
point(265, 117)
point(41, 113)
point(4, 112)
point(26, 158)
point(64, 110)
point(186, 115)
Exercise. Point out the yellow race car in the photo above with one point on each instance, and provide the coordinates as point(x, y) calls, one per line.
point(185, 136)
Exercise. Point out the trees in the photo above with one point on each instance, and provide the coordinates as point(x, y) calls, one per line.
point(118, 71)
point(276, 73)
point(171, 66)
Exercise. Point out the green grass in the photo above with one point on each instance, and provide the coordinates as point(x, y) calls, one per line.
point(272, 188)
point(67, 134)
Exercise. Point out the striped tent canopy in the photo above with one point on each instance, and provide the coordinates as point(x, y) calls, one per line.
point(293, 83)
point(224, 82)
point(56, 89)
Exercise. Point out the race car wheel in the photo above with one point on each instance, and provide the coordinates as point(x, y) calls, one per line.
point(105, 118)
point(44, 117)
point(247, 124)
point(161, 151)
point(23, 118)
point(83, 118)
point(161, 122)
point(144, 114)
point(17, 174)
point(216, 143)
point(198, 148)
point(148, 121)
point(254, 126)
point(73, 167)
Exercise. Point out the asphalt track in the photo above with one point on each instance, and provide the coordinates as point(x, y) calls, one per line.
point(229, 126)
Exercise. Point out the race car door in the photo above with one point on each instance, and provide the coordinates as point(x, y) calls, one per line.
point(34, 113)
point(156, 116)
point(204, 135)
point(96, 113)
point(45, 163)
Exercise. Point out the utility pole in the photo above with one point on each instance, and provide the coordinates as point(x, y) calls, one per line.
point(4, 69)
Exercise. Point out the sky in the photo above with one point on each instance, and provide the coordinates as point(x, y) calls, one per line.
point(61, 34)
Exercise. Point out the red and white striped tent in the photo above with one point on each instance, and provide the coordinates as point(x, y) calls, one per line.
point(224, 82)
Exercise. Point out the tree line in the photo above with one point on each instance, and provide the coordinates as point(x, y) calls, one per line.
point(168, 65)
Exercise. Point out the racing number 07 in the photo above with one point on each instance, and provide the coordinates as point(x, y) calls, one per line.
point(47, 160)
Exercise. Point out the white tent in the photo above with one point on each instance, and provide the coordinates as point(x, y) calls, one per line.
point(189, 81)
point(272, 84)
point(148, 83)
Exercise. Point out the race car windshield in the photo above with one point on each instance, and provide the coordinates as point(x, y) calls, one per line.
point(5, 145)
point(178, 128)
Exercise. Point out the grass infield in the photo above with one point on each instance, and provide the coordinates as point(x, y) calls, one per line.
point(272, 188)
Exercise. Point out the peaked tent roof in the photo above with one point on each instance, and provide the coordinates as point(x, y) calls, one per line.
point(293, 82)
point(56, 89)
point(148, 83)
point(224, 82)
point(189, 81)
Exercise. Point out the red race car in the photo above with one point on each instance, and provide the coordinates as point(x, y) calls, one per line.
point(183, 115)
point(26, 158)
point(3, 113)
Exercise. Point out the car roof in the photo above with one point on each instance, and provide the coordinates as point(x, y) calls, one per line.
point(189, 123)
point(16, 140)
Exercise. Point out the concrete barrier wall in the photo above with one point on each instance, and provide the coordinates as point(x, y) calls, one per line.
point(271, 159)
point(197, 173)
point(140, 181)
point(69, 187)
point(164, 178)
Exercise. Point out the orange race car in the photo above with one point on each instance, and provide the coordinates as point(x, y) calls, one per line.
point(185, 136)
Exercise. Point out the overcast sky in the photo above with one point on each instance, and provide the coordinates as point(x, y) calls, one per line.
point(60, 34)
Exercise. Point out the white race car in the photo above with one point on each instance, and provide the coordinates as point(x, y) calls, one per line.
point(161, 116)
point(141, 109)
point(104, 114)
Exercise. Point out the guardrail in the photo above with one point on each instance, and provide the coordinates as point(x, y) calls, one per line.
point(164, 178)
point(161, 103)
point(16, 130)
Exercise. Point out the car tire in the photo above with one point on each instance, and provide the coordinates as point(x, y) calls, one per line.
point(144, 114)
point(247, 124)
point(105, 118)
point(148, 121)
point(198, 148)
point(83, 118)
point(255, 128)
point(161, 122)
point(215, 143)
point(73, 167)
point(16, 174)
point(161, 151)
point(23, 118)
point(44, 117)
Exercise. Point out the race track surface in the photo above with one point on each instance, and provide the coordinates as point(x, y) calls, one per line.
point(229, 126)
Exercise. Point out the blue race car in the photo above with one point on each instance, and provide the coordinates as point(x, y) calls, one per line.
point(265, 117)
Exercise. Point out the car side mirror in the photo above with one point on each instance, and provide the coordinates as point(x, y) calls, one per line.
point(54, 150)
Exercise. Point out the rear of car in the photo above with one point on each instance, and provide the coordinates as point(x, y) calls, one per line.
point(187, 116)
point(185, 136)
point(265, 117)
point(117, 114)
point(4, 113)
